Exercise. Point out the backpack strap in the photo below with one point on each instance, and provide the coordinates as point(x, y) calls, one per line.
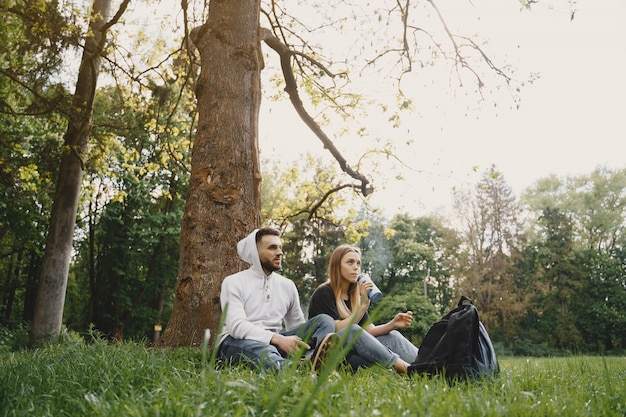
point(464, 301)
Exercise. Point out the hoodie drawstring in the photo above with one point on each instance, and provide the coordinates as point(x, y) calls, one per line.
point(266, 286)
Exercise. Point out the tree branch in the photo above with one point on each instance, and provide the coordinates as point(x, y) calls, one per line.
point(460, 59)
point(292, 89)
point(311, 211)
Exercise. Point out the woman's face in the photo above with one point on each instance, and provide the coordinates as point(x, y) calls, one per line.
point(350, 266)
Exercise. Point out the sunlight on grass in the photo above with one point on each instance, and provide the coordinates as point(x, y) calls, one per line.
point(97, 378)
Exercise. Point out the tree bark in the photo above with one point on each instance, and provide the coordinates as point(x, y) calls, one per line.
point(48, 315)
point(223, 199)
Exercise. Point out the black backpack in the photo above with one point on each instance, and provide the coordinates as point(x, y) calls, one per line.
point(457, 346)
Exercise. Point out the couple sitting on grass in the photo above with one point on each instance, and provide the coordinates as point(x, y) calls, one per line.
point(265, 327)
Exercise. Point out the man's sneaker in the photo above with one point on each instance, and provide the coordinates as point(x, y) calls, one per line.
point(326, 346)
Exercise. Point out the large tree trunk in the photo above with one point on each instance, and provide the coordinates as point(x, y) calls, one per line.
point(48, 315)
point(223, 198)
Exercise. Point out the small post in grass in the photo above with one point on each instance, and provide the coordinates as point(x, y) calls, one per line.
point(157, 332)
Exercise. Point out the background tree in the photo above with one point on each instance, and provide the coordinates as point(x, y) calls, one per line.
point(600, 309)
point(595, 203)
point(492, 235)
point(48, 315)
point(422, 258)
point(128, 258)
point(26, 189)
point(575, 248)
point(33, 37)
point(559, 277)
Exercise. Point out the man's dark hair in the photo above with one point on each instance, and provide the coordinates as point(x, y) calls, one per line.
point(266, 231)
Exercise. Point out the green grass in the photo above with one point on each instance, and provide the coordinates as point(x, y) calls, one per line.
point(100, 379)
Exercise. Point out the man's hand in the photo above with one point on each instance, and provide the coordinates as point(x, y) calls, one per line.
point(288, 344)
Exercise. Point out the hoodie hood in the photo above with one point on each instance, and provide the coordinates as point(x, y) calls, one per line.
point(247, 250)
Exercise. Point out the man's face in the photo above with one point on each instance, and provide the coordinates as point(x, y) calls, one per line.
point(270, 253)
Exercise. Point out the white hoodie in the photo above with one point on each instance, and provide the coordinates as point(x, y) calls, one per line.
point(257, 306)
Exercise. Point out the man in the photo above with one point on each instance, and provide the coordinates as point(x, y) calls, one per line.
point(264, 324)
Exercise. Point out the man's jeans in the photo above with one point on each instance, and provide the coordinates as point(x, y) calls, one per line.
point(266, 356)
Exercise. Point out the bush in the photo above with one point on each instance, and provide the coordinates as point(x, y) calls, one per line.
point(14, 340)
point(525, 347)
point(424, 313)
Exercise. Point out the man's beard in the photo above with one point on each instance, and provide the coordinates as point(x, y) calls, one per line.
point(269, 266)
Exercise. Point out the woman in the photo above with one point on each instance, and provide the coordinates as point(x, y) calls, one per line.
point(345, 300)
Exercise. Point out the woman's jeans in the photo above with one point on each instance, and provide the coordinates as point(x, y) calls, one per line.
point(400, 345)
point(367, 350)
point(266, 356)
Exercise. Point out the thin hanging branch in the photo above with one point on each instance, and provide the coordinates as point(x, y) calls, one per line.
point(292, 89)
point(459, 57)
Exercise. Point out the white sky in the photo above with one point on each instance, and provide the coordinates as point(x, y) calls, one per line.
point(571, 119)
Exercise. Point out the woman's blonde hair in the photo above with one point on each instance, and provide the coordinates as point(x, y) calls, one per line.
point(334, 274)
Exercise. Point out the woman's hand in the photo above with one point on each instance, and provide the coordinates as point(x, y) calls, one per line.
point(364, 287)
point(402, 320)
